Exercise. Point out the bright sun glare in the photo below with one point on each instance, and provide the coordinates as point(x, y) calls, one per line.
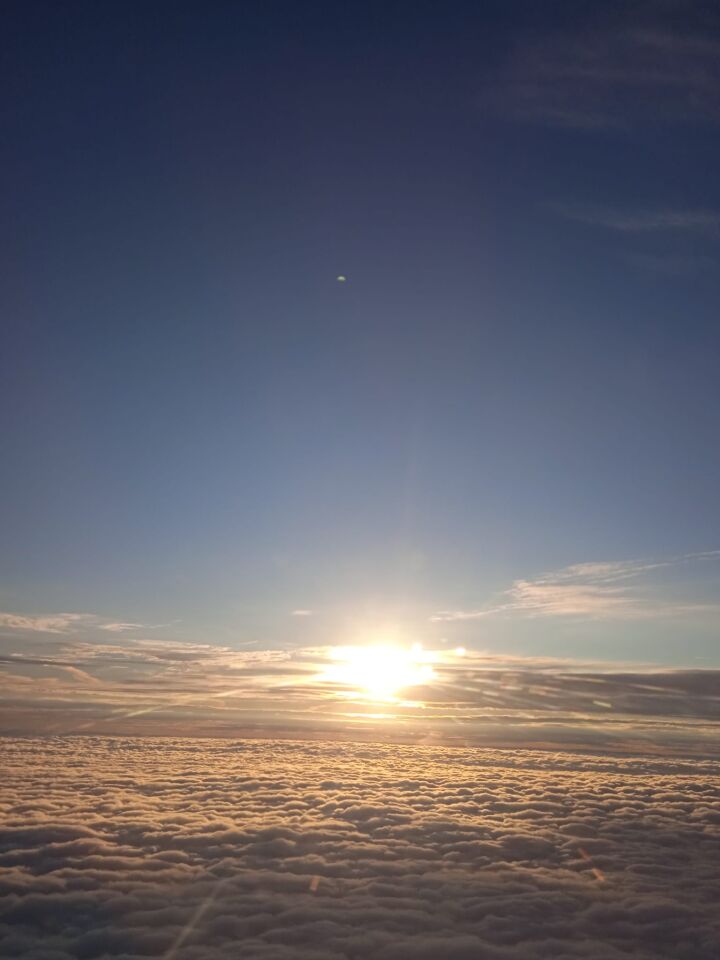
point(379, 671)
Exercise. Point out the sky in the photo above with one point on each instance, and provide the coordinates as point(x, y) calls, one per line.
point(499, 431)
point(360, 567)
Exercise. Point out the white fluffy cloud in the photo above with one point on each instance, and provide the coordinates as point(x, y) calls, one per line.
point(317, 851)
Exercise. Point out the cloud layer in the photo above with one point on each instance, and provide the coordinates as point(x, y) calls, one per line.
point(144, 687)
point(218, 849)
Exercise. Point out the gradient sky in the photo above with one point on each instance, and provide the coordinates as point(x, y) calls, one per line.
point(501, 430)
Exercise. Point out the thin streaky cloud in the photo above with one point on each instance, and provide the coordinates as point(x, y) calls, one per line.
point(635, 71)
point(640, 221)
point(605, 590)
point(44, 623)
point(671, 264)
point(63, 623)
point(120, 627)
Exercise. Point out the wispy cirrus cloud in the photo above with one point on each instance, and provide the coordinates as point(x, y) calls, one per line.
point(670, 264)
point(64, 623)
point(45, 623)
point(640, 221)
point(676, 242)
point(607, 590)
point(633, 67)
point(121, 627)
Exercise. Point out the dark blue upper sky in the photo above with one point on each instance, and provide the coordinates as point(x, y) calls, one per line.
point(203, 426)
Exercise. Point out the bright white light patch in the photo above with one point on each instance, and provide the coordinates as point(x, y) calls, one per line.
point(379, 671)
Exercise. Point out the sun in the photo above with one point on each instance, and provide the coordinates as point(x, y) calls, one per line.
point(379, 671)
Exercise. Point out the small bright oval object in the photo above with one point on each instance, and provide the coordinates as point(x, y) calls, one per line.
point(341, 279)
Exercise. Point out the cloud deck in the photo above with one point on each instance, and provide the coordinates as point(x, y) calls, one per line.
point(209, 849)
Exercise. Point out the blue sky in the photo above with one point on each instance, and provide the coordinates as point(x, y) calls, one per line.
point(500, 431)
